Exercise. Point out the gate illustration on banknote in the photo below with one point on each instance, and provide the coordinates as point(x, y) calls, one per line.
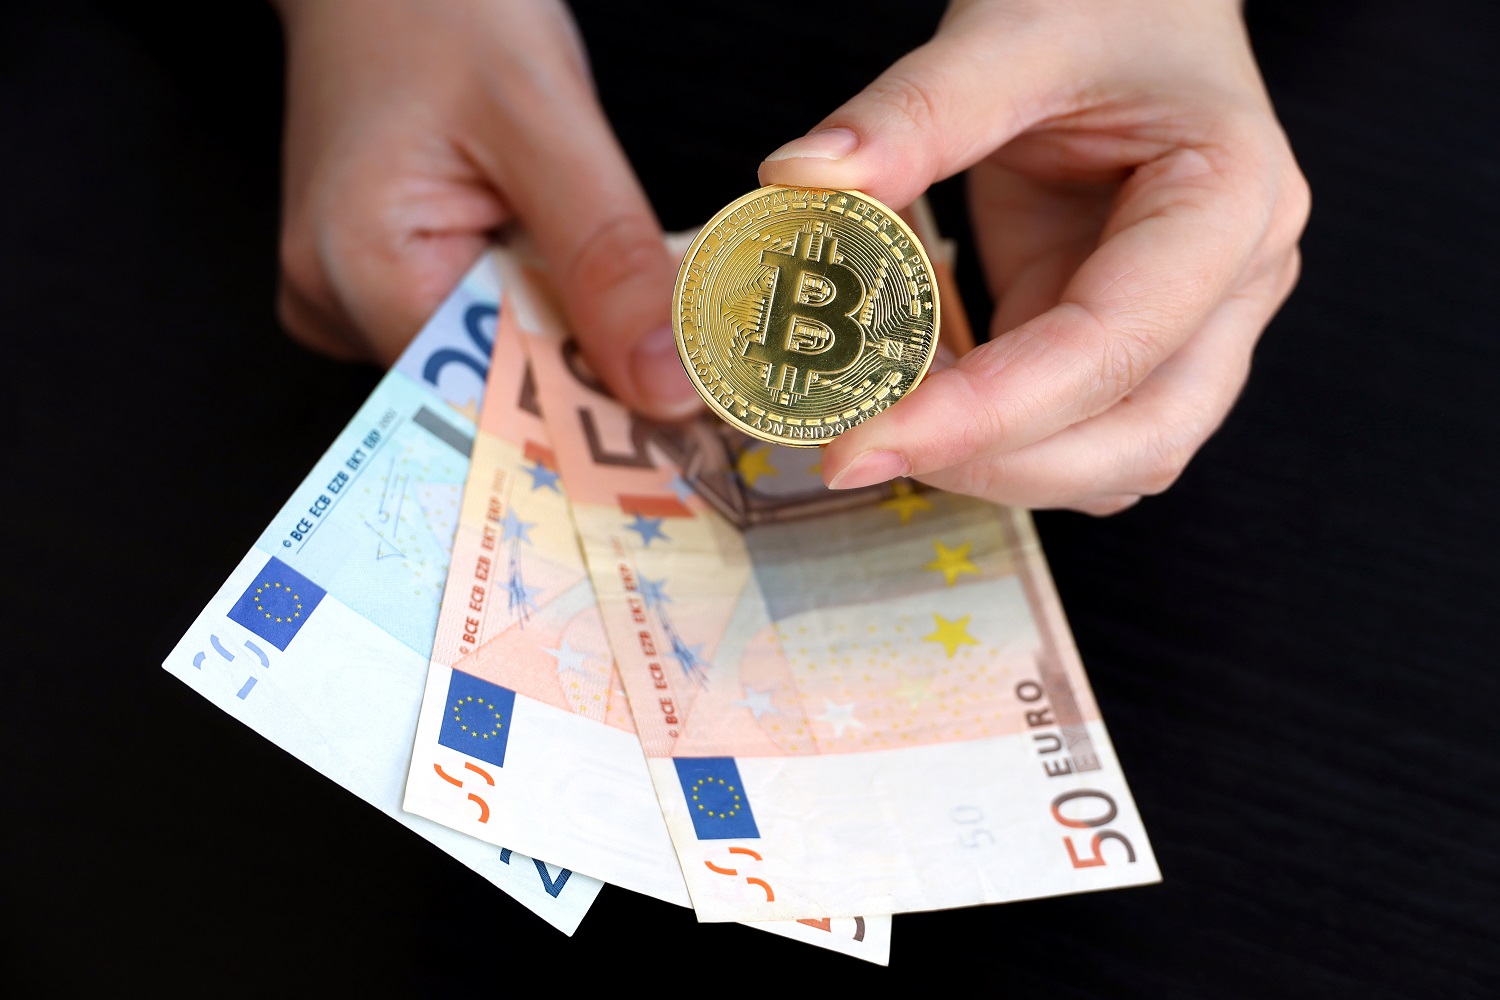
point(749, 482)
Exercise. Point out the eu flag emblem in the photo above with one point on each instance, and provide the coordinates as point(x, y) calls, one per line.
point(477, 718)
point(716, 798)
point(277, 604)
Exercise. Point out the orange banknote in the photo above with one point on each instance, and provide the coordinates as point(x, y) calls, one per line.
point(525, 738)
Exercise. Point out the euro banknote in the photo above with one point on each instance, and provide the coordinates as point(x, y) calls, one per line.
point(525, 737)
point(319, 639)
point(850, 702)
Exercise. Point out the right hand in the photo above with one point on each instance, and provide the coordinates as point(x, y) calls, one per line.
point(1137, 211)
point(414, 131)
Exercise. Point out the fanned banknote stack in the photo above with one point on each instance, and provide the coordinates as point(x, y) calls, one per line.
point(571, 647)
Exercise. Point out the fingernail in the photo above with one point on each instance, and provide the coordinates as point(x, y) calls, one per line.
point(659, 376)
point(824, 144)
point(870, 468)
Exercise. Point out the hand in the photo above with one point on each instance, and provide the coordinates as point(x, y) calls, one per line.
point(1137, 210)
point(415, 130)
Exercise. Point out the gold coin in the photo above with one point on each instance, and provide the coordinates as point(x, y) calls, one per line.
point(801, 312)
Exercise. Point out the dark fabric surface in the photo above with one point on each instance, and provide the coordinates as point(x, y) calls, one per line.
point(1293, 648)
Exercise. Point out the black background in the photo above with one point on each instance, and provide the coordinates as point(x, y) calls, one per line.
point(1293, 648)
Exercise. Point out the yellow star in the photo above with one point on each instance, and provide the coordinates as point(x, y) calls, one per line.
point(951, 562)
point(915, 690)
point(906, 502)
point(754, 463)
point(952, 634)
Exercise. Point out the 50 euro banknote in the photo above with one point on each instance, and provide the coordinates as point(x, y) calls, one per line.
point(525, 737)
point(319, 638)
point(849, 702)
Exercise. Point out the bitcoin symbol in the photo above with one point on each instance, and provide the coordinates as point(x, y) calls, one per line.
point(809, 327)
point(800, 313)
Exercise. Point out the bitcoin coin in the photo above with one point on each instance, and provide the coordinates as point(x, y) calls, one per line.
point(802, 312)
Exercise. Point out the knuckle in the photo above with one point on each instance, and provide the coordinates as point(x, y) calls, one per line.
point(302, 275)
point(986, 479)
point(1285, 188)
point(991, 426)
point(306, 314)
point(303, 327)
point(1098, 359)
point(1299, 195)
point(972, 421)
point(299, 327)
point(1166, 456)
point(1127, 359)
point(1291, 273)
point(1107, 506)
point(1279, 274)
point(297, 256)
point(1254, 156)
point(907, 97)
point(967, 479)
point(299, 284)
point(614, 252)
point(1293, 206)
point(910, 104)
point(982, 432)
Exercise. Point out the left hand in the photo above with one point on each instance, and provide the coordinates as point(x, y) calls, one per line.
point(415, 130)
point(1137, 209)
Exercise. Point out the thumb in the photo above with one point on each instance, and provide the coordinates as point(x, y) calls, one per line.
point(938, 110)
point(559, 164)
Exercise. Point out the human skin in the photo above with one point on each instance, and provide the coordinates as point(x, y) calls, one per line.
point(1135, 204)
point(414, 131)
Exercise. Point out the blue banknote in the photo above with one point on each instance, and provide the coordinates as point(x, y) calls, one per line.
point(319, 639)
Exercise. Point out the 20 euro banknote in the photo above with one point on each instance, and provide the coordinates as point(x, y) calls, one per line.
point(319, 639)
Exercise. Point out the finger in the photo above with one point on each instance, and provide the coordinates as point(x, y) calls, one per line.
point(1183, 234)
point(579, 199)
point(941, 108)
point(1032, 236)
point(1141, 445)
point(381, 214)
point(368, 264)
